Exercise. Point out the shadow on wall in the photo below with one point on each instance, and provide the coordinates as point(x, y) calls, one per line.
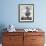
point(2, 26)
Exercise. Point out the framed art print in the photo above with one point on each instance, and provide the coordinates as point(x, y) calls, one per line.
point(26, 12)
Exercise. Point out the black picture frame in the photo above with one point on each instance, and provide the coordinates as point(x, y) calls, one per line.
point(23, 10)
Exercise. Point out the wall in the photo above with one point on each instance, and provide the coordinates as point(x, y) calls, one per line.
point(9, 14)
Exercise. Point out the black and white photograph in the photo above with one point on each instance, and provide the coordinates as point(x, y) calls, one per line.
point(26, 12)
